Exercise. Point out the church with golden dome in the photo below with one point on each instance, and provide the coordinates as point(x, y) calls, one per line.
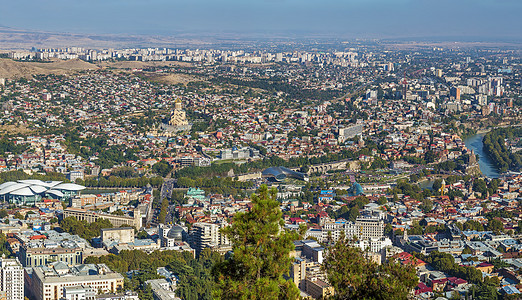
point(177, 121)
point(178, 116)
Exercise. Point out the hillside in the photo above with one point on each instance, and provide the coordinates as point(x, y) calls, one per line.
point(11, 69)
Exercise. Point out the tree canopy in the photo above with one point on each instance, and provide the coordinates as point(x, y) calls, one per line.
point(261, 254)
point(354, 276)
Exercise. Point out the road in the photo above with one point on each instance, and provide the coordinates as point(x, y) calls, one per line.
point(167, 188)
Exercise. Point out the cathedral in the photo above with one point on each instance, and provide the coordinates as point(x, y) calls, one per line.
point(178, 122)
point(178, 116)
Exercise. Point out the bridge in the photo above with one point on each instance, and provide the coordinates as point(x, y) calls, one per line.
point(318, 168)
point(336, 165)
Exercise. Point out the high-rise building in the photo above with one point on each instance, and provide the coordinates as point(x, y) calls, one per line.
point(455, 92)
point(482, 99)
point(207, 235)
point(11, 279)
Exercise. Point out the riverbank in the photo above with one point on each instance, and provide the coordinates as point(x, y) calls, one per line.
point(486, 166)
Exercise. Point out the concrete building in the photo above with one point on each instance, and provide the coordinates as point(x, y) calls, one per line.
point(313, 251)
point(11, 279)
point(364, 228)
point(41, 256)
point(121, 234)
point(50, 283)
point(117, 221)
point(369, 228)
point(170, 235)
point(128, 295)
point(80, 292)
point(318, 289)
point(350, 131)
point(163, 289)
point(298, 272)
point(73, 175)
point(207, 235)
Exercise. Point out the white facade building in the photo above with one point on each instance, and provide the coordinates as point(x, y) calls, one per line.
point(11, 279)
point(50, 283)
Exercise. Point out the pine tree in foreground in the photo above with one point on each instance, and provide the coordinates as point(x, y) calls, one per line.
point(261, 254)
point(354, 276)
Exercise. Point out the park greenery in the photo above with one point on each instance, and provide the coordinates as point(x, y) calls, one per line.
point(163, 211)
point(162, 168)
point(4, 250)
point(107, 156)
point(115, 181)
point(280, 85)
point(9, 147)
point(500, 154)
point(84, 229)
point(223, 169)
point(445, 262)
point(20, 175)
point(195, 278)
point(215, 185)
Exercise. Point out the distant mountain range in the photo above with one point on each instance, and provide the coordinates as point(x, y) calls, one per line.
point(11, 38)
point(22, 39)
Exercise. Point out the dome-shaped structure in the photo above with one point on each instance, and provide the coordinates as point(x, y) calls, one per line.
point(30, 191)
point(281, 173)
point(355, 190)
point(176, 232)
point(358, 189)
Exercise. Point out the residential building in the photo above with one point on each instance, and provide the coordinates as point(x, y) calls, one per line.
point(51, 282)
point(11, 279)
point(207, 235)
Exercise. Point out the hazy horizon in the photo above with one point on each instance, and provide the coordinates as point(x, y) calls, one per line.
point(381, 19)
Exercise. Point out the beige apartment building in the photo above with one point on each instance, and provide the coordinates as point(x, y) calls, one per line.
point(48, 283)
point(116, 221)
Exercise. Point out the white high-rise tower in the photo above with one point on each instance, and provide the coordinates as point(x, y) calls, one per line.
point(11, 279)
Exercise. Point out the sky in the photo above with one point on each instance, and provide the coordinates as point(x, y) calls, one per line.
point(476, 19)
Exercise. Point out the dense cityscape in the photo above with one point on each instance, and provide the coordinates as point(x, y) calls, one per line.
point(158, 173)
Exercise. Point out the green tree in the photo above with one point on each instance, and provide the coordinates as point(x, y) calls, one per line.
point(163, 212)
point(437, 184)
point(162, 168)
point(467, 250)
point(354, 276)
point(496, 226)
point(426, 205)
point(261, 254)
point(142, 235)
point(484, 292)
point(84, 229)
point(353, 213)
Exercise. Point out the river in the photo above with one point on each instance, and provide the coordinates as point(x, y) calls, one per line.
point(486, 166)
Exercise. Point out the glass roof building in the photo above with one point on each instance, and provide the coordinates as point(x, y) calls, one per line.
point(28, 192)
point(281, 173)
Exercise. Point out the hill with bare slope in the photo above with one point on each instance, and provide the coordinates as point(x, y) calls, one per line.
point(11, 69)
